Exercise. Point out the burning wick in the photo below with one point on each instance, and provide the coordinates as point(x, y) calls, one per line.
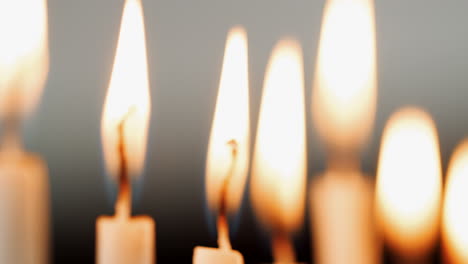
point(283, 249)
point(123, 204)
point(223, 228)
point(11, 137)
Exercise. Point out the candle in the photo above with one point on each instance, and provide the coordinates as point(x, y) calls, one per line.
point(124, 238)
point(455, 212)
point(409, 185)
point(343, 107)
point(24, 190)
point(279, 162)
point(228, 151)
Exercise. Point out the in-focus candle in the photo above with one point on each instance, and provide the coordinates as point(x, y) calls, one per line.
point(228, 150)
point(123, 238)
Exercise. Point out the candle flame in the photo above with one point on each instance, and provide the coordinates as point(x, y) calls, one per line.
point(24, 55)
point(345, 89)
point(409, 182)
point(128, 101)
point(228, 149)
point(279, 165)
point(455, 215)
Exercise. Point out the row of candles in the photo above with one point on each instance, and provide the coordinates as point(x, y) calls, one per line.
point(348, 216)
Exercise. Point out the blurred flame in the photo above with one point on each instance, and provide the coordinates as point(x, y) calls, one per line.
point(24, 55)
point(409, 182)
point(128, 96)
point(279, 166)
point(345, 88)
point(455, 215)
point(230, 124)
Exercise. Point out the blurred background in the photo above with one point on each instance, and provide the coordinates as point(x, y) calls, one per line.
point(422, 60)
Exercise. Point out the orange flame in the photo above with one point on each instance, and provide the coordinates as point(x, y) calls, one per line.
point(279, 166)
point(455, 215)
point(128, 100)
point(24, 55)
point(228, 151)
point(345, 89)
point(409, 183)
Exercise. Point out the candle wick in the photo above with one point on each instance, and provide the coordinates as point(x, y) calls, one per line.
point(11, 139)
point(11, 136)
point(223, 227)
point(283, 248)
point(124, 199)
point(343, 162)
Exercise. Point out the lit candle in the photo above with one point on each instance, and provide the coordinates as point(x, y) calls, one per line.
point(279, 163)
point(455, 213)
point(24, 190)
point(124, 238)
point(343, 107)
point(409, 185)
point(228, 150)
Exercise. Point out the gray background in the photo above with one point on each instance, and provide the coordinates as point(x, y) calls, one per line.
point(422, 59)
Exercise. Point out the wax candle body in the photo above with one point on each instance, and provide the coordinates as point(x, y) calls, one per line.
point(206, 255)
point(24, 209)
point(124, 240)
point(342, 219)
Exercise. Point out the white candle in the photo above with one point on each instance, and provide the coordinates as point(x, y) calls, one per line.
point(279, 165)
point(210, 255)
point(455, 213)
point(24, 209)
point(125, 239)
point(343, 108)
point(122, 238)
point(409, 185)
point(24, 190)
point(228, 151)
point(342, 218)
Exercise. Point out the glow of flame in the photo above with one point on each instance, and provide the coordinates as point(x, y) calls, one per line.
point(279, 164)
point(24, 55)
point(128, 96)
point(345, 88)
point(455, 214)
point(409, 182)
point(230, 123)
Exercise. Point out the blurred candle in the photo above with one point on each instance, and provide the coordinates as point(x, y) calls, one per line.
point(279, 163)
point(228, 151)
point(343, 107)
point(455, 213)
point(123, 238)
point(409, 184)
point(24, 190)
